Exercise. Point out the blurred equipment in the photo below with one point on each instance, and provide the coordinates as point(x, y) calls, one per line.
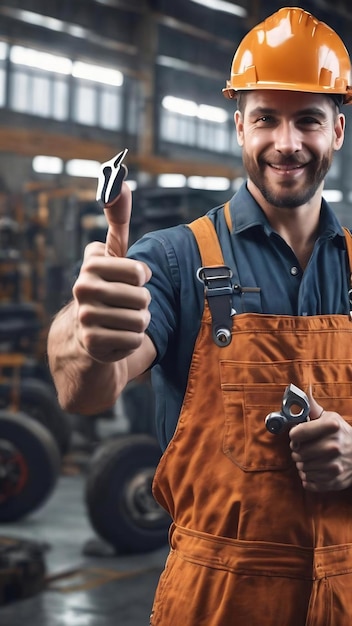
point(29, 465)
point(38, 400)
point(22, 569)
point(119, 498)
point(34, 431)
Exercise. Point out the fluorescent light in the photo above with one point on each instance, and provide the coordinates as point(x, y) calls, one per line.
point(44, 21)
point(333, 195)
point(171, 180)
point(221, 5)
point(41, 60)
point(211, 183)
point(62, 65)
point(41, 20)
point(97, 73)
point(47, 164)
point(179, 105)
point(212, 114)
point(195, 182)
point(83, 168)
point(192, 109)
point(217, 183)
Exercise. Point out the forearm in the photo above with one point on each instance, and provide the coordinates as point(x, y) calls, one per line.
point(83, 384)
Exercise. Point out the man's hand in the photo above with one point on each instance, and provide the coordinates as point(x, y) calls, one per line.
point(322, 450)
point(97, 343)
point(110, 300)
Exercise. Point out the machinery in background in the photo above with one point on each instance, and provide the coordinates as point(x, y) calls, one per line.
point(42, 237)
point(34, 432)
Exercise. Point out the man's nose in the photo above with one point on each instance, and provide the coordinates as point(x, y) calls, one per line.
point(287, 138)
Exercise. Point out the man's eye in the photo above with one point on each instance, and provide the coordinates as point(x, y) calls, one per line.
point(265, 119)
point(309, 121)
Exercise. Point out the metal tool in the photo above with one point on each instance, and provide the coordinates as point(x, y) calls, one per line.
point(293, 398)
point(111, 177)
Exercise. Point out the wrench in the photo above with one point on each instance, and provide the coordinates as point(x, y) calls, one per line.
point(278, 421)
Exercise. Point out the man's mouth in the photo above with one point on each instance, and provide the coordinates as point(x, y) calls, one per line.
point(286, 166)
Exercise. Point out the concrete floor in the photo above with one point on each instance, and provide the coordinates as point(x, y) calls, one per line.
point(82, 589)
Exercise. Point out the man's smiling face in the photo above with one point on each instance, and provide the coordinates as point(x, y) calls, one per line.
point(288, 139)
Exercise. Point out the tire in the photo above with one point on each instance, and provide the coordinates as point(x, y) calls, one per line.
point(30, 464)
point(118, 495)
point(38, 400)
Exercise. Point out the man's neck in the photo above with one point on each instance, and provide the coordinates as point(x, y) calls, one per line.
point(298, 226)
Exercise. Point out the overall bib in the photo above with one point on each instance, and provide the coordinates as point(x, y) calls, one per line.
point(249, 546)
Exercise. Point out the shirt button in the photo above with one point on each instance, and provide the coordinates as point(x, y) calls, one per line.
point(294, 270)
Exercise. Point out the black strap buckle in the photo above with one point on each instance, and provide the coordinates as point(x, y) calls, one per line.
point(218, 292)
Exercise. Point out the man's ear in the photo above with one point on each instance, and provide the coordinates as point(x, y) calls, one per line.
point(239, 127)
point(339, 129)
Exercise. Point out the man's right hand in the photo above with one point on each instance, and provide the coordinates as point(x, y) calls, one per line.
point(110, 299)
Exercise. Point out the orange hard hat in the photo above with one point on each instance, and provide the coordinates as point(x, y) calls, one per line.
point(292, 51)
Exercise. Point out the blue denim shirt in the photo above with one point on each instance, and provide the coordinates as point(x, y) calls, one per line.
point(259, 257)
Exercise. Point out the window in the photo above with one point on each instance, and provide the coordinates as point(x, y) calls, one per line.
point(38, 93)
point(85, 104)
point(110, 116)
point(40, 84)
point(97, 105)
point(198, 125)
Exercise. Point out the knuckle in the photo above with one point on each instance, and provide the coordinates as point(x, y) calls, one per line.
point(140, 272)
point(81, 285)
point(336, 469)
point(142, 321)
point(146, 297)
point(88, 340)
point(85, 315)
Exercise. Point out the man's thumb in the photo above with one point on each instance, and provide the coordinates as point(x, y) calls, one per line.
point(315, 408)
point(118, 215)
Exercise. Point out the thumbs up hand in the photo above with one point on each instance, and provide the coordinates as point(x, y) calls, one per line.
point(110, 299)
point(322, 450)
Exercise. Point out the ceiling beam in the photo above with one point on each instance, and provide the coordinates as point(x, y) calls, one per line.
point(29, 143)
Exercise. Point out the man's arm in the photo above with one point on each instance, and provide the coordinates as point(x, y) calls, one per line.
point(85, 385)
point(97, 343)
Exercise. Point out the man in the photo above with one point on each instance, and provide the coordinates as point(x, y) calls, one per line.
point(262, 522)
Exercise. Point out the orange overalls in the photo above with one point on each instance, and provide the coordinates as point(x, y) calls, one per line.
point(249, 546)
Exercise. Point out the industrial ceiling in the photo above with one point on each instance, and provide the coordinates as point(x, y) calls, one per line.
point(178, 45)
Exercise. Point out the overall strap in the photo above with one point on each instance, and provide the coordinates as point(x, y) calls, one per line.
point(348, 239)
point(207, 240)
point(216, 279)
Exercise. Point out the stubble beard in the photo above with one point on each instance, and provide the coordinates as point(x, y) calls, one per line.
point(286, 197)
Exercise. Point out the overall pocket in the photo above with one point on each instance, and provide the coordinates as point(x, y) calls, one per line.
point(252, 390)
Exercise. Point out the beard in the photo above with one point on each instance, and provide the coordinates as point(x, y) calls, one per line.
point(287, 195)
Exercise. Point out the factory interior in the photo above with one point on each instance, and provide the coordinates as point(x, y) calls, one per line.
point(82, 540)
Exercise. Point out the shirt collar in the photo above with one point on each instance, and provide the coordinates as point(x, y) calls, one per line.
point(246, 213)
